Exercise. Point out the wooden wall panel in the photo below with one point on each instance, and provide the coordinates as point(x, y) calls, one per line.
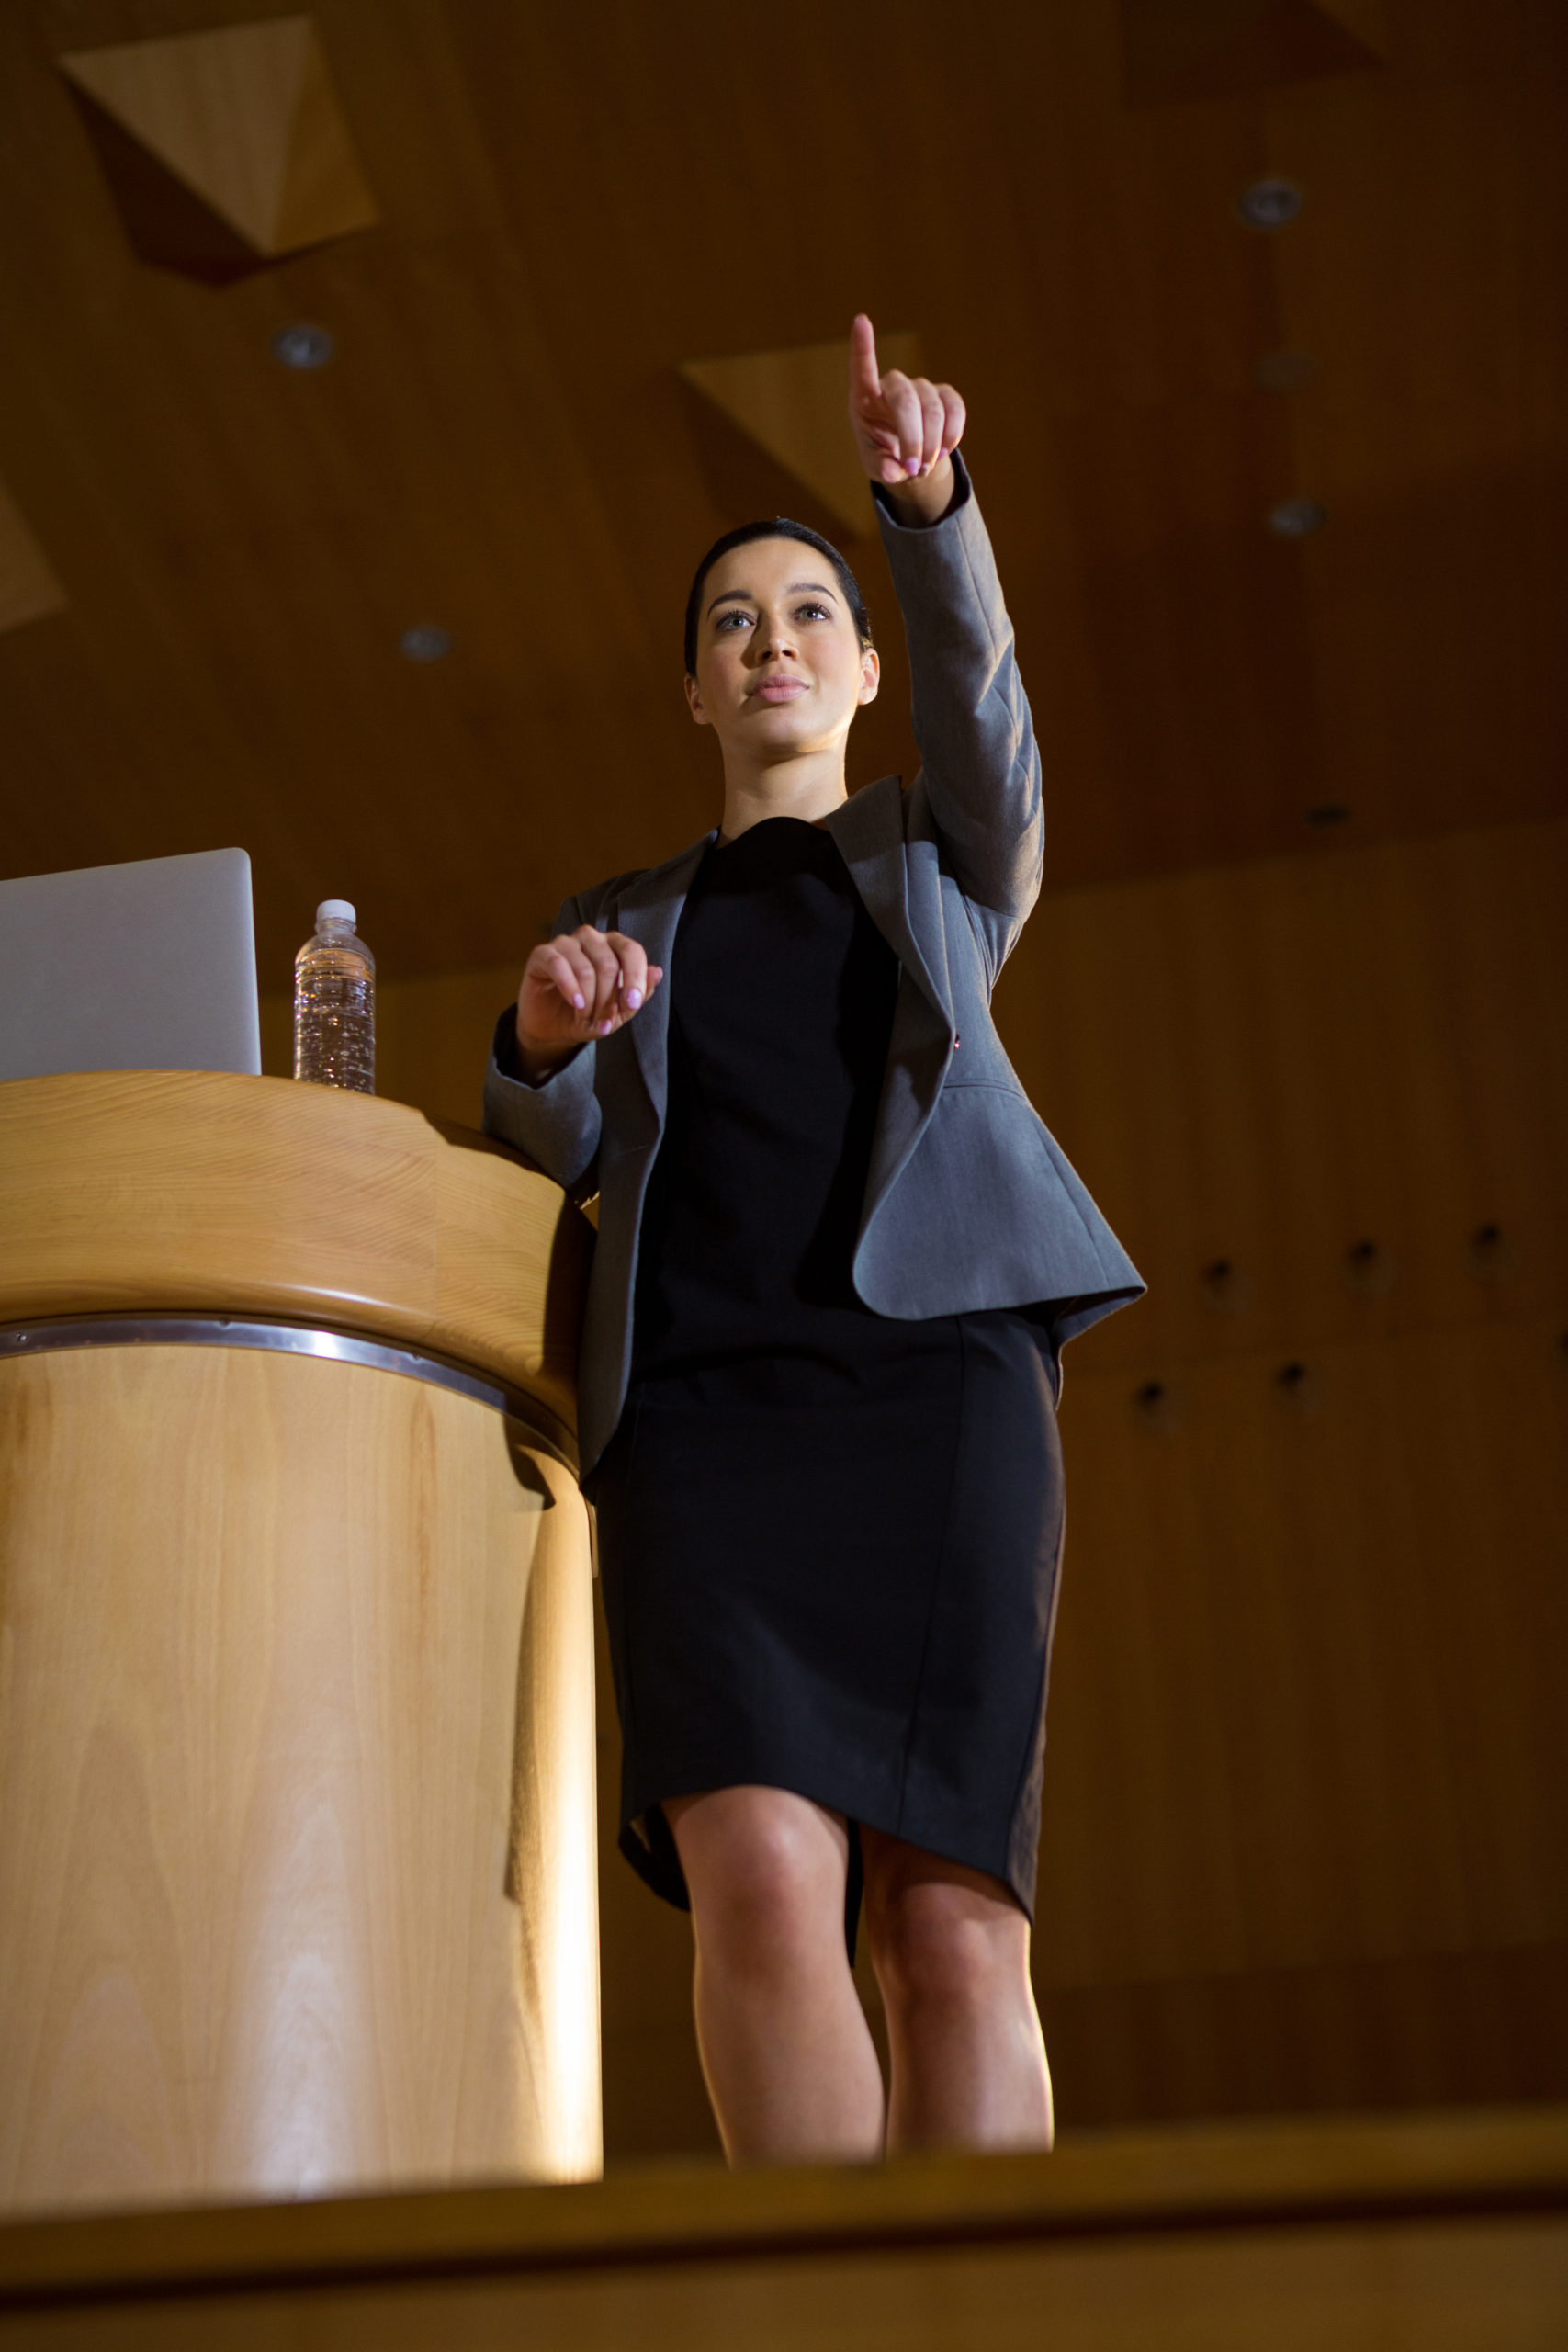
point(1306, 1696)
point(1306, 1763)
point(1269, 1064)
point(1485, 2026)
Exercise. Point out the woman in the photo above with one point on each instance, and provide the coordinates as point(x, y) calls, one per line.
point(838, 1257)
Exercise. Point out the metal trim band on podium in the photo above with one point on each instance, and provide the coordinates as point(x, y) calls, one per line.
point(46, 1337)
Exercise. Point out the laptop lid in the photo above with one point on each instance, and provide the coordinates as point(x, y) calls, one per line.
point(151, 965)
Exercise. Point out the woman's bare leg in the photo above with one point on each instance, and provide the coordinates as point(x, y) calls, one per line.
point(951, 1950)
point(790, 2065)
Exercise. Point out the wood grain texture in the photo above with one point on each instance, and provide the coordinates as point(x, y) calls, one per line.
point(323, 193)
point(1172, 51)
point(1485, 2286)
point(793, 403)
point(1435, 2231)
point(558, 195)
point(296, 1784)
point(245, 116)
point(168, 1188)
point(1325, 2039)
point(1304, 1703)
point(28, 589)
point(1270, 1065)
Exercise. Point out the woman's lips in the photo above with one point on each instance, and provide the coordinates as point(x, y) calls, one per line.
point(778, 690)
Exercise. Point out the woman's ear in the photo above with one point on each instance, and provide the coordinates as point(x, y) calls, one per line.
point(695, 700)
point(870, 673)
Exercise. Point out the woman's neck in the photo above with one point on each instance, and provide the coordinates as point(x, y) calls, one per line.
point(810, 788)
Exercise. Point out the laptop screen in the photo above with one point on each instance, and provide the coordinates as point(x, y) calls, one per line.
point(149, 966)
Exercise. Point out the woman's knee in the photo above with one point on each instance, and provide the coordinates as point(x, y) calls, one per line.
point(765, 1871)
point(939, 1952)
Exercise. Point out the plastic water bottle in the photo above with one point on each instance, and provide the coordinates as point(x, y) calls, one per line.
point(334, 1004)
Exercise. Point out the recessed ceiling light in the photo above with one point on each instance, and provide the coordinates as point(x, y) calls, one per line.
point(425, 643)
point(1327, 812)
point(302, 345)
point(1155, 1405)
point(1297, 518)
point(1369, 1270)
point(1492, 1254)
point(1271, 204)
point(1298, 1387)
point(1284, 372)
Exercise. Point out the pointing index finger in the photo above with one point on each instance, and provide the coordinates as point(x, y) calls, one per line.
point(865, 381)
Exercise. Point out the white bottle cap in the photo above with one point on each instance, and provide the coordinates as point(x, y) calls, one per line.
point(335, 911)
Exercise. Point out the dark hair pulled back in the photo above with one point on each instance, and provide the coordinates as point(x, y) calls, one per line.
point(778, 527)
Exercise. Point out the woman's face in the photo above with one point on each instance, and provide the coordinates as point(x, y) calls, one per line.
point(781, 670)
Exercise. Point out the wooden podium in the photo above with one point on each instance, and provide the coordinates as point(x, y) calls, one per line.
point(298, 1887)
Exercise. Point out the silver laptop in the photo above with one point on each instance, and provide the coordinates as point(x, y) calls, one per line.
point(144, 967)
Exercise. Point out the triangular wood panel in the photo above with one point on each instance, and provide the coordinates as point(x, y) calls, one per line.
point(28, 589)
point(1368, 19)
point(324, 194)
point(1201, 49)
point(246, 119)
point(794, 403)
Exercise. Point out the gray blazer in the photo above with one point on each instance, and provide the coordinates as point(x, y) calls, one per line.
point(970, 1201)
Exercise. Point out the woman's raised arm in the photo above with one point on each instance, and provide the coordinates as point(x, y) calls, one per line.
point(979, 763)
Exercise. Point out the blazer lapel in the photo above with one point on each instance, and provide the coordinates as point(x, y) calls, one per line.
point(648, 911)
point(869, 830)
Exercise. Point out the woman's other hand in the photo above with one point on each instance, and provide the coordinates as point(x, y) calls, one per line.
point(583, 986)
point(905, 429)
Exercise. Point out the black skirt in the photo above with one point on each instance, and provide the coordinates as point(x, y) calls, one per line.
point(842, 1587)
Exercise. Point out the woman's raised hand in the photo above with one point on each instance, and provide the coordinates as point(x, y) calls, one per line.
point(584, 985)
point(905, 427)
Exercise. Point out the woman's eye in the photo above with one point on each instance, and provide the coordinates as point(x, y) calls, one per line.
point(739, 619)
point(813, 611)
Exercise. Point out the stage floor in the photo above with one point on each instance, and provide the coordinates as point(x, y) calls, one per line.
point(1437, 2232)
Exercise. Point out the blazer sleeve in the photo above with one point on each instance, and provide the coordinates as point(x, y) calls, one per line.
point(554, 1121)
point(980, 763)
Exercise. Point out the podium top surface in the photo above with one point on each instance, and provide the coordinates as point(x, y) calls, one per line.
point(125, 1191)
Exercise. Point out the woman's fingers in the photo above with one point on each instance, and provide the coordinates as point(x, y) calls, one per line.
point(903, 425)
point(926, 422)
point(585, 984)
point(560, 965)
point(866, 383)
point(902, 404)
point(623, 977)
point(632, 958)
point(606, 973)
point(570, 980)
point(933, 419)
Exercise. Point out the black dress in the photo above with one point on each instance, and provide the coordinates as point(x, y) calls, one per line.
point(828, 1540)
